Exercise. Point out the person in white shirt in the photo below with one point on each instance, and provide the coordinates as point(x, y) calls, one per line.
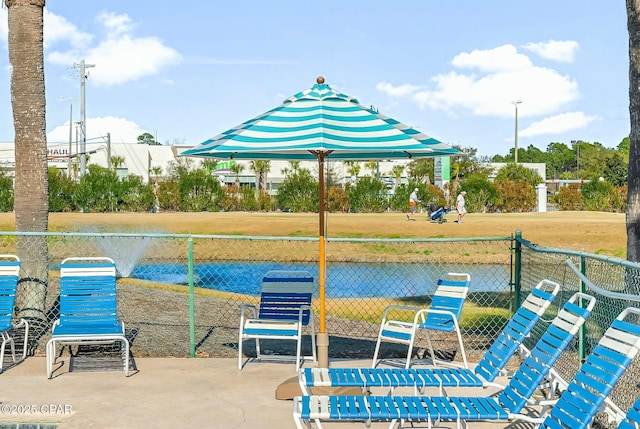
point(460, 206)
point(413, 204)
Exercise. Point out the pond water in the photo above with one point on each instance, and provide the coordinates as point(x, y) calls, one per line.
point(343, 280)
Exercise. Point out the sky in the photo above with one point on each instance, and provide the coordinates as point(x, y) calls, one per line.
point(187, 71)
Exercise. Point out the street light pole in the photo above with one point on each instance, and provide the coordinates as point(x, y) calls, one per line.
point(576, 143)
point(515, 154)
point(70, 100)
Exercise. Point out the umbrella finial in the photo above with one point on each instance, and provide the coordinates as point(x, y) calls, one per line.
point(320, 80)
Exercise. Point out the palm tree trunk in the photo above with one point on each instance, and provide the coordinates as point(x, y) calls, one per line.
point(633, 195)
point(25, 44)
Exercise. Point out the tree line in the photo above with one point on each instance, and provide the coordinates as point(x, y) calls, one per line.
point(190, 187)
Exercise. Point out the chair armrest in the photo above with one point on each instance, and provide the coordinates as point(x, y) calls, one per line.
point(243, 309)
point(426, 311)
point(407, 308)
point(301, 311)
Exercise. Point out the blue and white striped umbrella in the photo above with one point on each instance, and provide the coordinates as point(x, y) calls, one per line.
point(321, 123)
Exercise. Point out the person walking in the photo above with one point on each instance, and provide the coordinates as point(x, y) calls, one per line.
point(460, 206)
point(413, 204)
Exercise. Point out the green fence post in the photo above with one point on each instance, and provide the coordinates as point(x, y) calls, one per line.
point(192, 322)
point(517, 268)
point(582, 336)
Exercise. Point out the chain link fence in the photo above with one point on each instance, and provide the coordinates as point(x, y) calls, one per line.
point(615, 284)
point(165, 317)
point(180, 295)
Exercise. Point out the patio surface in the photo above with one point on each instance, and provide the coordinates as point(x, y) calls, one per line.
point(162, 393)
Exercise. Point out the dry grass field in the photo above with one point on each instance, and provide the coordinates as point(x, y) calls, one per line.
point(593, 232)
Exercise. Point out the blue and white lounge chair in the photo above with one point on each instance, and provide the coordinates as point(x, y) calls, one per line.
point(9, 273)
point(586, 394)
point(284, 309)
point(506, 406)
point(632, 418)
point(88, 311)
point(442, 315)
point(490, 366)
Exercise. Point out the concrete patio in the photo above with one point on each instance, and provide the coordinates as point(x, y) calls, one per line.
point(161, 393)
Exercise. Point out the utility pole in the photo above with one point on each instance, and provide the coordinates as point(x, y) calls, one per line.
point(515, 154)
point(83, 116)
point(109, 151)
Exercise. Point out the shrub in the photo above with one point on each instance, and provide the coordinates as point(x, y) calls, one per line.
point(248, 200)
point(266, 202)
point(169, 195)
point(337, 200)
point(299, 192)
point(482, 194)
point(97, 189)
point(199, 191)
point(61, 190)
point(515, 196)
point(569, 198)
point(599, 195)
point(368, 195)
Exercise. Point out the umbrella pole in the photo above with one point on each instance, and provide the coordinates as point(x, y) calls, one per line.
point(323, 336)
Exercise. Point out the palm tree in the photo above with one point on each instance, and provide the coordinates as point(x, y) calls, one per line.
point(353, 169)
point(260, 168)
point(157, 172)
point(373, 166)
point(295, 167)
point(116, 162)
point(25, 44)
point(633, 194)
point(396, 172)
point(421, 170)
point(236, 169)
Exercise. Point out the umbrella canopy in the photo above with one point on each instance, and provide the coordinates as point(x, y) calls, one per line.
point(321, 124)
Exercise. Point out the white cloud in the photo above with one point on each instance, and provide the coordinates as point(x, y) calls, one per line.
point(396, 91)
point(115, 24)
point(504, 76)
point(120, 57)
point(122, 130)
point(562, 51)
point(58, 29)
point(501, 59)
point(558, 124)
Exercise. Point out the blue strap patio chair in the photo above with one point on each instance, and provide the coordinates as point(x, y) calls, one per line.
point(587, 393)
point(484, 374)
point(442, 315)
point(415, 409)
point(632, 418)
point(9, 274)
point(283, 311)
point(88, 310)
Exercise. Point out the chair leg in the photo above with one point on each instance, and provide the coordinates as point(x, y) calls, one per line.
point(125, 344)
point(313, 344)
point(430, 345)
point(240, 351)
point(410, 350)
point(299, 356)
point(2, 347)
point(26, 338)
point(50, 356)
point(464, 355)
point(374, 362)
